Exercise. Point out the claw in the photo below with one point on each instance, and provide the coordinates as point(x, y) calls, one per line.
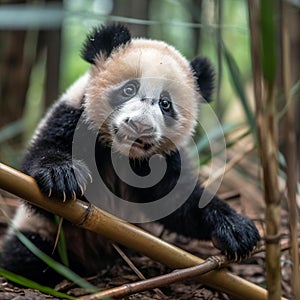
point(82, 189)
point(64, 197)
point(74, 196)
point(91, 178)
point(50, 193)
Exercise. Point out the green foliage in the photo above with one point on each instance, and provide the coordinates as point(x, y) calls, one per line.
point(72, 65)
point(239, 86)
point(214, 135)
point(61, 246)
point(59, 268)
point(18, 16)
point(9, 153)
point(11, 130)
point(269, 62)
point(32, 284)
point(35, 105)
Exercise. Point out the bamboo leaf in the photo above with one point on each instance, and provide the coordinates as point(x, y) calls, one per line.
point(238, 85)
point(32, 284)
point(62, 247)
point(19, 16)
point(59, 268)
point(11, 130)
point(215, 134)
point(269, 63)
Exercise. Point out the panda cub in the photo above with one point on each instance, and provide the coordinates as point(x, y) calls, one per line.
point(141, 98)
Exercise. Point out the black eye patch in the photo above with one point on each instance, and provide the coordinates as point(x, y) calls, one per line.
point(166, 107)
point(124, 93)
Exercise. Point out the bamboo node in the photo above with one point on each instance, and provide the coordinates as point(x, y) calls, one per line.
point(219, 260)
point(86, 215)
point(273, 239)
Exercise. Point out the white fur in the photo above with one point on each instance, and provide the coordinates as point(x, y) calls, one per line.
point(74, 94)
point(25, 220)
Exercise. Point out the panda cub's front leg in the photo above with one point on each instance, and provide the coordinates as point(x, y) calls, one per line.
point(49, 158)
point(234, 234)
point(58, 176)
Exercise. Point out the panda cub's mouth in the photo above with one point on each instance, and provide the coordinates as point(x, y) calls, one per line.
point(133, 141)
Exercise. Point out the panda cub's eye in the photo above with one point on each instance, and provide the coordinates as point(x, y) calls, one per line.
point(130, 89)
point(165, 102)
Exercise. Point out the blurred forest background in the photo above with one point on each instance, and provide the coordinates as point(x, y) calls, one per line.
point(255, 48)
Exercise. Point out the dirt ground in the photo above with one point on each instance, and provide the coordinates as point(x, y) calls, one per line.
point(252, 269)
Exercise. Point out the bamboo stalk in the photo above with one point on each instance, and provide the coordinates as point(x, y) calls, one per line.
point(90, 217)
point(219, 17)
point(178, 275)
point(267, 133)
point(290, 152)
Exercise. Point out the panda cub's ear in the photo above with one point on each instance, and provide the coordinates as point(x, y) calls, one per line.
point(103, 40)
point(204, 76)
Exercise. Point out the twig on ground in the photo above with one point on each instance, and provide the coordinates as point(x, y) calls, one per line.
point(178, 275)
point(136, 270)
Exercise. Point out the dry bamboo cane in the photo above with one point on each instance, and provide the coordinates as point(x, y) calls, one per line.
point(290, 151)
point(90, 217)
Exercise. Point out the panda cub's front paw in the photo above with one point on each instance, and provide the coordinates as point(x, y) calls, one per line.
point(236, 236)
point(66, 179)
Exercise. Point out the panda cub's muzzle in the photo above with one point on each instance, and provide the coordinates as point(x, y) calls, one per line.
point(136, 133)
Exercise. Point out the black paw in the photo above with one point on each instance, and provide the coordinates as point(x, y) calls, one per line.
point(236, 236)
point(64, 180)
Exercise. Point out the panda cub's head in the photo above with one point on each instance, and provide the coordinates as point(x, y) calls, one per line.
point(142, 94)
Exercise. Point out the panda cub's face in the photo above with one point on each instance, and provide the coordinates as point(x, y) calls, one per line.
point(145, 119)
point(144, 111)
point(143, 99)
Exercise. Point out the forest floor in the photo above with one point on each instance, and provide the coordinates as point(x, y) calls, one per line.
point(247, 199)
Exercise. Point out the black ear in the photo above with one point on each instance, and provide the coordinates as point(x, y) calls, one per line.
point(204, 75)
point(104, 40)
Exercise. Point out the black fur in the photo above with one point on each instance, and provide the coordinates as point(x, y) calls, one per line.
point(229, 231)
point(169, 114)
point(49, 158)
point(117, 97)
point(204, 74)
point(20, 260)
point(104, 40)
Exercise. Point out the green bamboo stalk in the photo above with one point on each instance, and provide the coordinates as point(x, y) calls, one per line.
point(268, 136)
point(262, 29)
point(92, 218)
point(219, 102)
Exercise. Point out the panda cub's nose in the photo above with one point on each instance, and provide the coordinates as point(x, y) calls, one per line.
point(140, 127)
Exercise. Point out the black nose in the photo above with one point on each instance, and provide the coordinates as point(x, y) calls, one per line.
point(140, 127)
